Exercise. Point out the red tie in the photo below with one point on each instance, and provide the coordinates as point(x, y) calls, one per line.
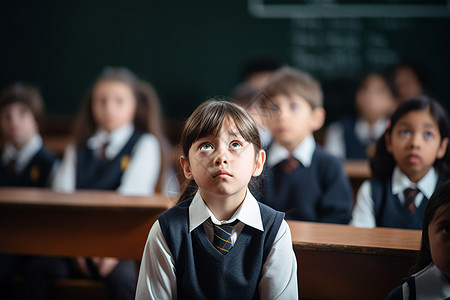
point(290, 164)
point(103, 151)
point(410, 197)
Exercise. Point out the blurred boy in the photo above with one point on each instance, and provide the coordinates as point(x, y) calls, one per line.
point(24, 159)
point(301, 179)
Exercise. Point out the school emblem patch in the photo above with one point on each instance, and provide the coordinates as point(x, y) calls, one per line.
point(124, 162)
point(34, 173)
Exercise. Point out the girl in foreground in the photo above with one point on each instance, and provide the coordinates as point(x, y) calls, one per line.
point(219, 242)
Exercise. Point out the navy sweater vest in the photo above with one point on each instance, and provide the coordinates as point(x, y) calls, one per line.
point(389, 212)
point(202, 271)
point(35, 174)
point(319, 193)
point(95, 173)
point(354, 148)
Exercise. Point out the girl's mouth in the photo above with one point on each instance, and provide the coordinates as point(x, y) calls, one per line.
point(222, 174)
point(413, 158)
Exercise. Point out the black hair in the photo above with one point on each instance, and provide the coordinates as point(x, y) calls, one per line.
point(440, 197)
point(383, 163)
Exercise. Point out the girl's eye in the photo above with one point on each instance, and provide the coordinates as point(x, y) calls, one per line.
point(293, 106)
point(273, 108)
point(206, 147)
point(428, 135)
point(446, 229)
point(405, 133)
point(235, 145)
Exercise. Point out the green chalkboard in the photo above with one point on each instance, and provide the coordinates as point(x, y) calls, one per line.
point(193, 50)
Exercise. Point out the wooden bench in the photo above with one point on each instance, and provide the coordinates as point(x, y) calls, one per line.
point(344, 262)
point(84, 223)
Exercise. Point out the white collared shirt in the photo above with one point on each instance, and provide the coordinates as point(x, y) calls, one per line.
point(364, 212)
point(157, 276)
point(335, 141)
point(430, 284)
point(303, 153)
point(141, 175)
point(23, 156)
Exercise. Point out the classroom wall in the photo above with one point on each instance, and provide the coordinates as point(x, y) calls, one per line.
point(193, 50)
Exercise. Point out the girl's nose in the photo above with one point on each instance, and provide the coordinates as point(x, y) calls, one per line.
point(221, 160)
point(415, 140)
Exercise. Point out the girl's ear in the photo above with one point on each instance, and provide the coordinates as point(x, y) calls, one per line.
point(387, 141)
point(186, 168)
point(259, 165)
point(442, 148)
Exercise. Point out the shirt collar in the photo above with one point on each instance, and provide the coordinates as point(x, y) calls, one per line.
point(248, 213)
point(426, 185)
point(24, 155)
point(304, 152)
point(116, 140)
point(365, 132)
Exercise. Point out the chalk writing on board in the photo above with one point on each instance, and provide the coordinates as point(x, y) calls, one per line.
point(349, 9)
point(339, 48)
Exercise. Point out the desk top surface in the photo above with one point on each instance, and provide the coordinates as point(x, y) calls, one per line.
point(347, 238)
point(80, 198)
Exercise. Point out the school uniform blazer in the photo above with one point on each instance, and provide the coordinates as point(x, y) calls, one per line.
point(34, 165)
point(318, 190)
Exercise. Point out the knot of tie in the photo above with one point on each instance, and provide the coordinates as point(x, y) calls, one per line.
point(290, 164)
point(222, 237)
point(410, 197)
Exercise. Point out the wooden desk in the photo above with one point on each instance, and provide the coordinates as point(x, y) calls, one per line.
point(344, 262)
point(85, 223)
point(357, 171)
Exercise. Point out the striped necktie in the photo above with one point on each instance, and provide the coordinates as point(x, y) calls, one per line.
point(410, 197)
point(222, 237)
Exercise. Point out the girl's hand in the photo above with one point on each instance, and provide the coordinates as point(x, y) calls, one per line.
point(81, 265)
point(105, 265)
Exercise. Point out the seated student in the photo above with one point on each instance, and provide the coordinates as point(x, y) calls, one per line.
point(24, 159)
point(118, 147)
point(353, 137)
point(219, 242)
point(409, 80)
point(301, 179)
point(431, 278)
point(410, 162)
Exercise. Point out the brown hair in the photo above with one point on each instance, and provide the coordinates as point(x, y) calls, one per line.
point(147, 117)
point(208, 119)
point(288, 81)
point(27, 95)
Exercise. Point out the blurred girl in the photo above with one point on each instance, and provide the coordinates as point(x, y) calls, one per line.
point(117, 147)
point(432, 271)
point(351, 138)
point(410, 162)
point(219, 242)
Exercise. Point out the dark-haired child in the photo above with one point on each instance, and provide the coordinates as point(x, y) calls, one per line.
point(301, 179)
point(431, 278)
point(24, 159)
point(219, 242)
point(410, 162)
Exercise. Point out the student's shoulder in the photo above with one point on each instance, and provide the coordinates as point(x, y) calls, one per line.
point(323, 158)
